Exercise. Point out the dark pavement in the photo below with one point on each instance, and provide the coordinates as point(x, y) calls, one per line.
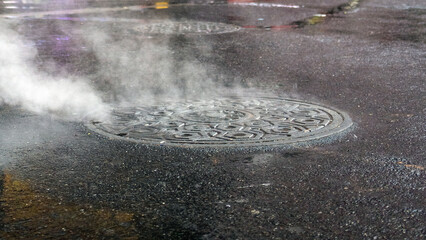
point(59, 180)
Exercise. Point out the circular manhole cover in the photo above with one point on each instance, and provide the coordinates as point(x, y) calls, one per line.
point(224, 122)
point(187, 27)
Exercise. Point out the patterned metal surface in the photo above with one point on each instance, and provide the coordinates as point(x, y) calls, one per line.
point(224, 122)
point(188, 27)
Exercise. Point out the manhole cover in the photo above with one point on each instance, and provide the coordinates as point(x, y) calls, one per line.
point(185, 28)
point(224, 122)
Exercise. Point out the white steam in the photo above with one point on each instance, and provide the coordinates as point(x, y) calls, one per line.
point(144, 71)
point(22, 84)
point(127, 69)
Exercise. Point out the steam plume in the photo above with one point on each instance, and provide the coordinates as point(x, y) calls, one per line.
point(22, 84)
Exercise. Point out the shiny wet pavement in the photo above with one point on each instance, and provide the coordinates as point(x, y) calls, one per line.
point(61, 180)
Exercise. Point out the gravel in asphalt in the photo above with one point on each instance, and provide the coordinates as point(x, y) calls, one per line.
point(62, 180)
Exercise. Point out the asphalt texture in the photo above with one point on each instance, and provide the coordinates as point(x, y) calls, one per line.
point(59, 180)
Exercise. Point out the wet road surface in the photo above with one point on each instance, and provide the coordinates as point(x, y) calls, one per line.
point(61, 180)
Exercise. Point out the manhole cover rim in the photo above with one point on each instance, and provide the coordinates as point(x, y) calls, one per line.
point(341, 123)
point(228, 28)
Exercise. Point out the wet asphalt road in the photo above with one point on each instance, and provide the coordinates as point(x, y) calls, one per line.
point(62, 181)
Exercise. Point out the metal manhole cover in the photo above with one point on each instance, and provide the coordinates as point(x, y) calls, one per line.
point(224, 122)
point(188, 27)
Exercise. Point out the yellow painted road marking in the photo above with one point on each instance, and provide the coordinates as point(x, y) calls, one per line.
point(161, 5)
